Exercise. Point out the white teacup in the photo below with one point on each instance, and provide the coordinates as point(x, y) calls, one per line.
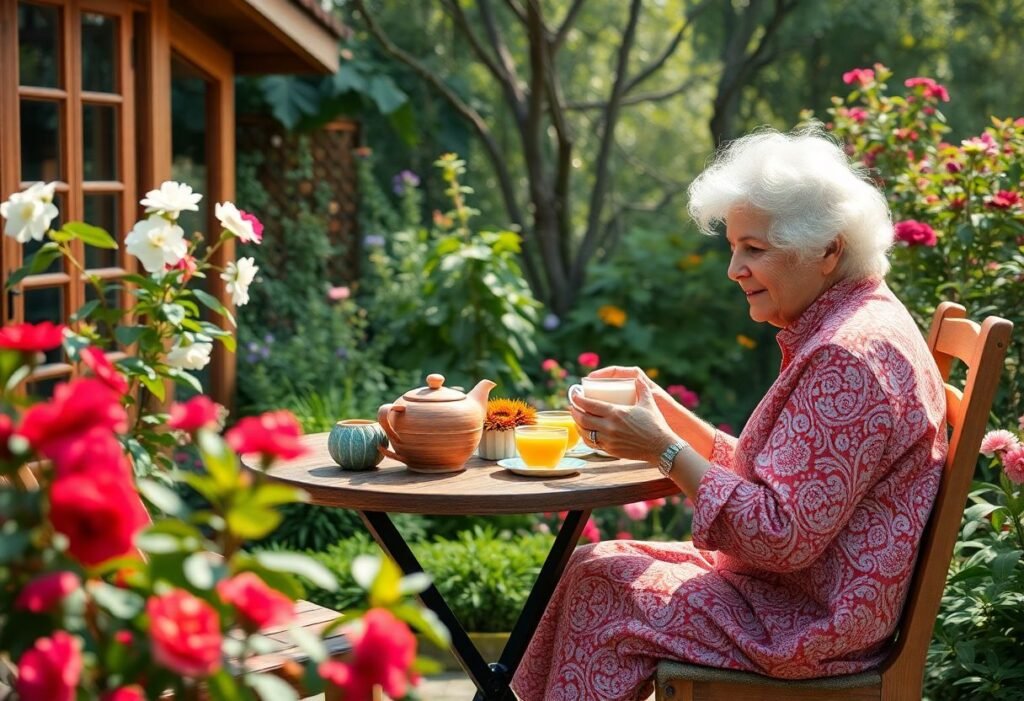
point(614, 390)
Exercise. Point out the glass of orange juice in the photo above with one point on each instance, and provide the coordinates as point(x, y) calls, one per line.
point(563, 419)
point(540, 445)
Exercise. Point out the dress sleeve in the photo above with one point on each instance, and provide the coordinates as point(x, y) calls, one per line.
point(723, 449)
point(824, 452)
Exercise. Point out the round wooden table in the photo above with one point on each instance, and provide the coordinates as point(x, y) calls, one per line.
point(482, 488)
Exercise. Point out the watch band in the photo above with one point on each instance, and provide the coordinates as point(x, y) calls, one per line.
point(669, 455)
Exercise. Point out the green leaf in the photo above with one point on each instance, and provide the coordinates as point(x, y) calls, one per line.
point(311, 645)
point(270, 687)
point(222, 687)
point(155, 386)
point(184, 378)
point(386, 93)
point(12, 545)
point(173, 313)
point(92, 235)
point(290, 98)
point(426, 622)
point(386, 589)
point(199, 571)
point(213, 303)
point(271, 494)
point(85, 310)
point(157, 543)
point(162, 497)
point(128, 335)
point(348, 78)
point(121, 603)
point(252, 522)
point(219, 459)
point(1004, 564)
point(299, 564)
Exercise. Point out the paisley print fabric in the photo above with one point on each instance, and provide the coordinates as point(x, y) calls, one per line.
point(805, 529)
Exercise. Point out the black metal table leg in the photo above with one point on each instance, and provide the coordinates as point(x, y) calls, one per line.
point(492, 680)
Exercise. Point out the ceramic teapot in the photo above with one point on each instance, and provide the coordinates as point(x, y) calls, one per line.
point(435, 428)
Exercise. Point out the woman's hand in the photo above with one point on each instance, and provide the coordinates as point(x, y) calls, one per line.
point(637, 432)
point(662, 398)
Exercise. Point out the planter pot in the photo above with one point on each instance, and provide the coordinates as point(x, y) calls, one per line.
point(497, 445)
point(355, 444)
point(490, 646)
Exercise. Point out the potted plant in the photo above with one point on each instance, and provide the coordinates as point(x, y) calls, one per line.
point(503, 415)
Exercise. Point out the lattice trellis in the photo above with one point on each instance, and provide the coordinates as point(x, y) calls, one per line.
point(333, 163)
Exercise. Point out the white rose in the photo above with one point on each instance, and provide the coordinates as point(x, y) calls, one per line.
point(157, 243)
point(194, 356)
point(171, 199)
point(238, 277)
point(29, 213)
point(231, 219)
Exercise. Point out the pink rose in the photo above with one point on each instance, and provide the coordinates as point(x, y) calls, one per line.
point(687, 397)
point(858, 114)
point(257, 603)
point(198, 412)
point(184, 633)
point(338, 293)
point(1004, 199)
point(45, 592)
point(188, 265)
point(274, 434)
point(50, 670)
point(257, 227)
point(99, 513)
point(383, 650)
point(915, 233)
point(96, 360)
point(588, 360)
point(930, 88)
point(32, 338)
point(860, 76)
point(6, 429)
point(549, 365)
point(125, 693)
point(1013, 463)
point(623, 535)
point(637, 511)
point(656, 503)
point(590, 531)
point(997, 442)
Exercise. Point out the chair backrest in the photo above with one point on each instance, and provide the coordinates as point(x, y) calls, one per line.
point(982, 348)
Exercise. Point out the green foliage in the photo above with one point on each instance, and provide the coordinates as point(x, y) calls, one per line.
point(484, 577)
point(978, 648)
point(447, 298)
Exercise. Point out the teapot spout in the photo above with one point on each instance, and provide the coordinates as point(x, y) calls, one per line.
point(479, 393)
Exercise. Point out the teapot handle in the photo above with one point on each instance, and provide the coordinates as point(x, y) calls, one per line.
point(385, 423)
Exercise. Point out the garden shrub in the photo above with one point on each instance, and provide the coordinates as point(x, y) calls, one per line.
point(484, 577)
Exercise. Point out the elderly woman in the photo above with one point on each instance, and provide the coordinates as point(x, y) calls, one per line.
point(806, 527)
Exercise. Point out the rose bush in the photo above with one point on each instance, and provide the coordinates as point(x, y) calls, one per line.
point(88, 574)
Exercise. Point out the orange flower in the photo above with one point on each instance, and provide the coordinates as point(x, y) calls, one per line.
point(690, 261)
point(506, 414)
point(612, 316)
point(746, 341)
point(652, 373)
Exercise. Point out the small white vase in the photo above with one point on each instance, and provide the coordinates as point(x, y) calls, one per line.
point(497, 445)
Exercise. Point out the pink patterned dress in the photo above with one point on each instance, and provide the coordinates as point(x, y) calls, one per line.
point(805, 529)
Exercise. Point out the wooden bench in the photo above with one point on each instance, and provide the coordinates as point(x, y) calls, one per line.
point(900, 677)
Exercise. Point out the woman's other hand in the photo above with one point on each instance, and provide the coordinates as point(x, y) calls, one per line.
point(638, 432)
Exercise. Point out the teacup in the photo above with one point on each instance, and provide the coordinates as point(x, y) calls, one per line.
point(563, 419)
point(541, 446)
point(355, 444)
point(614, 390)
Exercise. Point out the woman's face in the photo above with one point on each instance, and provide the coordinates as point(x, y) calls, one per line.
point(779, 285)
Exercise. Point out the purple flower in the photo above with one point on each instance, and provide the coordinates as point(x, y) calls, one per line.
point(341, 353)
point(269, 338)
point(403, 180)
point(551, 322)
point(373, 240)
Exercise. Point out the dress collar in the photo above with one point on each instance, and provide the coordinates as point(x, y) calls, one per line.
point(841, 294)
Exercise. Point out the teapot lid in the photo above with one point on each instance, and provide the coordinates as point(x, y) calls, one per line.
point(433, 392)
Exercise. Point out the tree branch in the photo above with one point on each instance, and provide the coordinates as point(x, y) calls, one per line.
point(610, 118)
point(655, 65)
point(639, 98)
point(517, 9)
point(566, 25)
point(517, 99)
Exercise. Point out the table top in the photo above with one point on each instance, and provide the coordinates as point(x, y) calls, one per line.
point(482, 488)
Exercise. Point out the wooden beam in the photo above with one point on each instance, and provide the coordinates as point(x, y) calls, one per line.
point(10, 145)
point(291, 25)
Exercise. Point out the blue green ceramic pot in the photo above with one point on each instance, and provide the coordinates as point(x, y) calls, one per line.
point(355, 444)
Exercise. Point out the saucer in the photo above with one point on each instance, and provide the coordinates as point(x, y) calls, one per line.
point(566, 466)
point(580, 451)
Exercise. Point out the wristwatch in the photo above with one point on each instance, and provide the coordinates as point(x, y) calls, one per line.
point(668, 457)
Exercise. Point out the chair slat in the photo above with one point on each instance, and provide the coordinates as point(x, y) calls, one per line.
point(958, 339)
point(954, 397)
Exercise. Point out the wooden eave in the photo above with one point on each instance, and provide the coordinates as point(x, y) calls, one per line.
point(268, 36)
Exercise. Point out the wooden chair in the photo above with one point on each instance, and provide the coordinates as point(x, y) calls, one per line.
point(900, 676)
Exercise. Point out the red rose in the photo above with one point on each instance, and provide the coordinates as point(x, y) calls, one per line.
point(76, 407)
point(198, 412)
point(257, 603)
point(96, 450)
point(383, 650)
point(274, 434)
point(45, 592)
point(1004, 199)
point(860, 76)
point(96, 360)
point(687, 397)
point(915, 233)
point(50, 670)
point(100, 513)
point(188, 265)
point(32, 338)
point(125, 693)
point(588, 360)
point(6, 429)
point(184, 633)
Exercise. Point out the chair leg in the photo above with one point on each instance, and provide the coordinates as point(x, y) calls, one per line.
point(675, 690)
